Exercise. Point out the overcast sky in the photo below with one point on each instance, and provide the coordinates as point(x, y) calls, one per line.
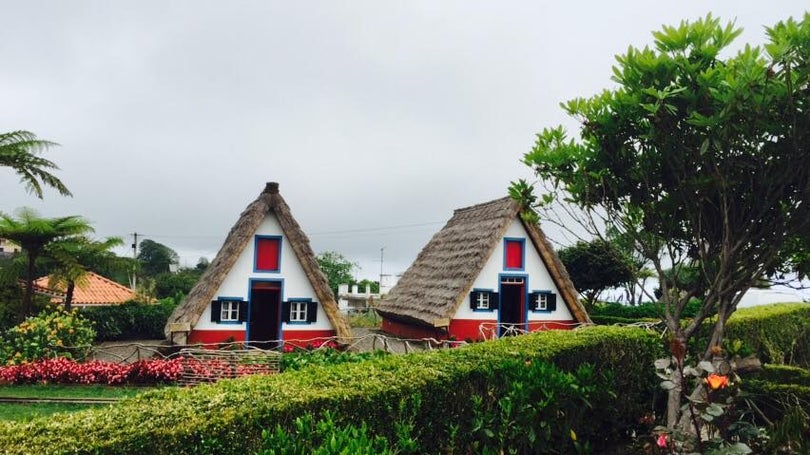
point(377, 118)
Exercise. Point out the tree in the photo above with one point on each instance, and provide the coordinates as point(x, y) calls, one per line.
point(156, 258)
point(702, 160)
point(33, 234)
point(595, 266)
point(75, 256)
point(19, 150)
point(337, 268)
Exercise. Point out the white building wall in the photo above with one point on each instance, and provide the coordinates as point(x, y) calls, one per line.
point(538, 279)
point(295, 282)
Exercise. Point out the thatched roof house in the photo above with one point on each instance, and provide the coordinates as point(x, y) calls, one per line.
point(487, 269)
point(263, 285)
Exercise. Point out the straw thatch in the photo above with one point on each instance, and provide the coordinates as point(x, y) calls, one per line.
point(269, 201)
point(439, 280)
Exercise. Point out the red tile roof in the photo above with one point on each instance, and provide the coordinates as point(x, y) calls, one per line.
point(96, 290)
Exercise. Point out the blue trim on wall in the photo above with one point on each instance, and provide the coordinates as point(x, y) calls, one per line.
point(256, 239)
point(522, 242)
point(525, 277)
point(250, 304)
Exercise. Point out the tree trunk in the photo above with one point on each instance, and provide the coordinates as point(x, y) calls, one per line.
point(28, 298)
point(69, 295)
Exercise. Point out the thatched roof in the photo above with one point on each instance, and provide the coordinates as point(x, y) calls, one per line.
point(431, 290)
point(242, 233)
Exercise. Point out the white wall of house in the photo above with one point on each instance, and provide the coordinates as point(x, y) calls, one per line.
point(538, 279)
point(295, 282)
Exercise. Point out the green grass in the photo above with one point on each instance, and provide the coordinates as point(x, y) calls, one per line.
point(27, 411)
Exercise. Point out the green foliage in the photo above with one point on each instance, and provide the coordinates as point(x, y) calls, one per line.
point(20, 151)
point(595, 266)
point(337, 268)
point(130, 320)
point(229, 416)
point(645, 311)
point(170, 284)
point(52, 333)
point(156, 258)
point(323, 437)
point(777, 334)
point(301, 358)
point(368, 320)
point(33, 233)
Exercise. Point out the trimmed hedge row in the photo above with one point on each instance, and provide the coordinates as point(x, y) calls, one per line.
point(228, 417)
point(777, 334)
point(130, 321)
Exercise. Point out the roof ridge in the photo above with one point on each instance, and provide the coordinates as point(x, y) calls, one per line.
point(482, 205)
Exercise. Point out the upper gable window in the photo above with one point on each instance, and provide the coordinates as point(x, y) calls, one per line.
point(513, 254)
point(268, 254)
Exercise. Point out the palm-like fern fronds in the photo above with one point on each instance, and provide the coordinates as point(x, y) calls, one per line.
point(20, 151)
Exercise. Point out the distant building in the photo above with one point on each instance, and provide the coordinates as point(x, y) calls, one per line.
point(8, 248)
point(95, 290)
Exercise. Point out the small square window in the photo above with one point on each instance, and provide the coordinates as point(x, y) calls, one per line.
point(513, 254)
point(298, 311)
point(229, 311)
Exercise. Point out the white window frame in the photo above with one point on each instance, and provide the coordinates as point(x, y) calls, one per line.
point(298, 311)
point(229, 311)
point(542, 301)
point(482, 303)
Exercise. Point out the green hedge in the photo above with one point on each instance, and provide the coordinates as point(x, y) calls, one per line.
point(131, 320)
point(777, 334)
point(228, 417)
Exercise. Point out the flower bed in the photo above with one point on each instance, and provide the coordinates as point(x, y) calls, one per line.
point(143, 372)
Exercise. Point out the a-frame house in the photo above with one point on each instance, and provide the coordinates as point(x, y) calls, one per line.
point(487, 271)
point(264, 286)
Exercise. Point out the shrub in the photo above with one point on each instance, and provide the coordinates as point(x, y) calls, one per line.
point(228, 417)
point(130, 320)
point(52, 333)
point(778, 333)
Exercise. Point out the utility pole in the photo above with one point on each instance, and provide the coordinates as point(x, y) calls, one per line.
point(133, 282)
point(381, 266)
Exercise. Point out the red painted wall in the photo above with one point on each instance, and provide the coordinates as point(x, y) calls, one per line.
point(462, 329)
point(214, 336)
point(300, 338)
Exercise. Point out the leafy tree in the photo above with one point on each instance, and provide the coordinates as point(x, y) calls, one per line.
point(595, 266)
point(20, 151)
point(373, 286)
point(702, 160)
point(337, 268)
point(75, 257)
point(156, 258)
point(171, 284)
point(33, 234)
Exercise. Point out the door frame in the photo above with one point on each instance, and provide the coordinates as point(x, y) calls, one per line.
point(524, 298)
point(251, 282)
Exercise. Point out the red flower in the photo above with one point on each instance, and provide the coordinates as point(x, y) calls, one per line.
point(661, 441)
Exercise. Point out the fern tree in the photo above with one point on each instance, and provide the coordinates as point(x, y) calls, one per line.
point(20, 150)
point(33, 233)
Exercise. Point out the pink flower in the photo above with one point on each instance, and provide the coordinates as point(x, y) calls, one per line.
point(661, 441)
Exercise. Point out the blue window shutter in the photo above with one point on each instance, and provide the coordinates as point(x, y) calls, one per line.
point(552, 301)
point(312, 311)
point(216, 310)
point(474, 300)
point(494, 303)
point(533, 300)
point(285, 311)
point(243, 311)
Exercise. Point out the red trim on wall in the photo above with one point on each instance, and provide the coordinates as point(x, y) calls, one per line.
point(462, 329)
point(215, 336)
point(535, 326)
point(469, 329)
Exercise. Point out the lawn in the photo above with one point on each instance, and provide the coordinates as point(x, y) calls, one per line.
point(25, 411)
